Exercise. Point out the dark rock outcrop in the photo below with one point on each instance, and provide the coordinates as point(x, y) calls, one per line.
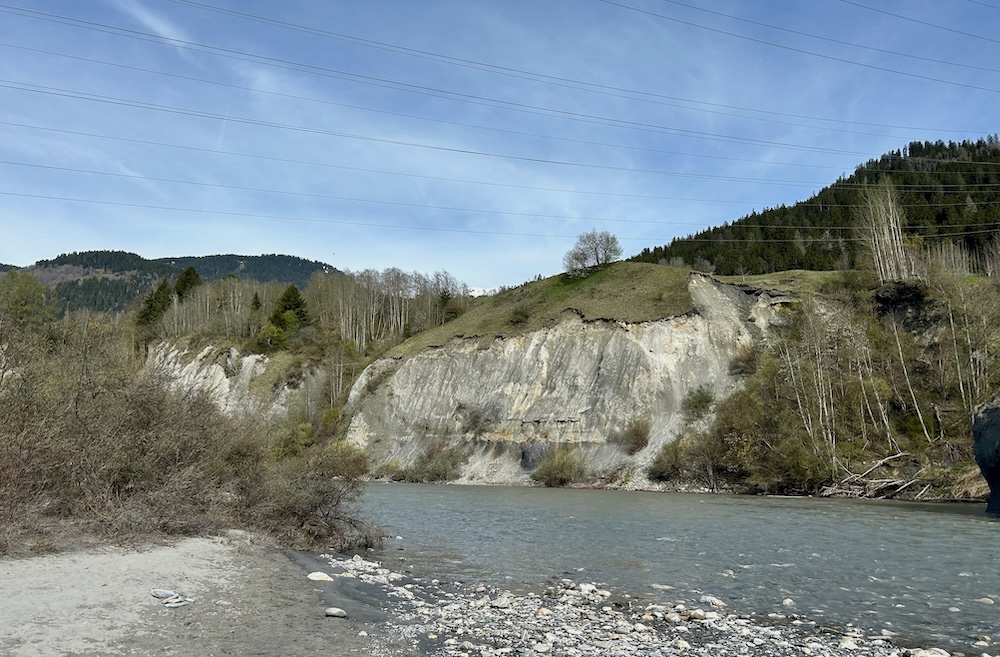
point(986, 439)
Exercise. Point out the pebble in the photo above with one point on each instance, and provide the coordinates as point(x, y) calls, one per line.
point(585, 619)
point(336, 612)
point(163, 593)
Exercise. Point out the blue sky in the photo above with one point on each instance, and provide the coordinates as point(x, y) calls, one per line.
point(478, 137)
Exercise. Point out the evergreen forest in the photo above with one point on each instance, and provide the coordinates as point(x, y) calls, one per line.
point(949, 194)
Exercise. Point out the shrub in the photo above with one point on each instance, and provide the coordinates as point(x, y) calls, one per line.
point(93, 446)
point(669, 462)
point(292, 442)
point(697, 404)
point(634, 437)
point(437, 463)
point(519, 315)
point(559, 466)
point(745, 360)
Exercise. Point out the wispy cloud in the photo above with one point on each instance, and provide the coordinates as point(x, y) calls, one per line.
point(152, 21)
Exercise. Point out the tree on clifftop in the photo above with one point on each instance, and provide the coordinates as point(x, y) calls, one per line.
point(593, 249)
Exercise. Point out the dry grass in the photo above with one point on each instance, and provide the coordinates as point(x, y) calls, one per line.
point(797, 281)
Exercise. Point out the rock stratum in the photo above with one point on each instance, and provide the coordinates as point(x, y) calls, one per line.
point(507, 400)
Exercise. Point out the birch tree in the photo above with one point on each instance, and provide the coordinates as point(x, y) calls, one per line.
point(881, 221)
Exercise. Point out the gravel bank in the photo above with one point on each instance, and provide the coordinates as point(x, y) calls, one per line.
point(243, 598)
point(579, 619)
point(246, 598)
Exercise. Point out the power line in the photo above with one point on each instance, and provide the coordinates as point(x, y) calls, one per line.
point(414, 116)
point(801, 50)
point(920, 22)
point(353, 199)
point(984, 4)
point(362, 169)
point(571, 82)
point(823, 38)
point(464, 230)
point(423, 206)
point(414, 88)
point(8, 84)
point(395, 142)
point(313, 220)
point(456, 180)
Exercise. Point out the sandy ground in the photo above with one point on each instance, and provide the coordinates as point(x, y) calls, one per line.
point(246, 599)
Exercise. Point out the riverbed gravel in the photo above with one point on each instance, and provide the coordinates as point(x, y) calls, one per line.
point(573, 618)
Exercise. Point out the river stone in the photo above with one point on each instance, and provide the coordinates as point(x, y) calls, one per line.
point(163, 594)
point(930, 652)
point(319, 577)
point(336, 612)
point(712, 600)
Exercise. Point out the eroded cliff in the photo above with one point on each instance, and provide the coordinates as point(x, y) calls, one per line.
point(509, 399)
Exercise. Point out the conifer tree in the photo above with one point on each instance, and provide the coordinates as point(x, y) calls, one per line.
point(187, 281)
point(291, 301)
point(156, 304)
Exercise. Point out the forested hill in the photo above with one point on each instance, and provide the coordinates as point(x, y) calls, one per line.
point(949, 194)
point(110, 280)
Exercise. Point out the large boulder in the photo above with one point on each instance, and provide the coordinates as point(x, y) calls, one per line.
point(986, 442)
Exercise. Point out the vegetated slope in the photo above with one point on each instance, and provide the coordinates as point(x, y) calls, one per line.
point(625, 291)
point(110, 280)
point(949, 192)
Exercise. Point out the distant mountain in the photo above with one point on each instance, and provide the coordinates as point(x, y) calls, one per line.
point(949, 192)
point(110, 280)
point(264, 268)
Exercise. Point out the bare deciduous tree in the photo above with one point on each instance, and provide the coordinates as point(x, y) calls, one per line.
point(593, 249)
point(881, 220)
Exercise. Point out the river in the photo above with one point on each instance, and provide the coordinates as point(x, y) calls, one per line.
point(923, 571)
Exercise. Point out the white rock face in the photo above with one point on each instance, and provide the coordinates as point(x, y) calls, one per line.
point(577, 382)
point(225, 376)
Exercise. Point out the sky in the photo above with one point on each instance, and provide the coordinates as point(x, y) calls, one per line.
point(477, 137)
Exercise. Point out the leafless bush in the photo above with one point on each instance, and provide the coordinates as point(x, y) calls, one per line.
point(90, 441)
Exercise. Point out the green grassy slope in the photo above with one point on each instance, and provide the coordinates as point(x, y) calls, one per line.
point(625, 291)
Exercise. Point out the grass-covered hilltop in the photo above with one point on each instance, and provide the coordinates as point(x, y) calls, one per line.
point(201, 396)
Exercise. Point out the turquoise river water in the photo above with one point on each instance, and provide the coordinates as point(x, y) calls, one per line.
point(924, 571)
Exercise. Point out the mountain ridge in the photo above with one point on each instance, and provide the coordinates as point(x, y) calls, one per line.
point(107, 280)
